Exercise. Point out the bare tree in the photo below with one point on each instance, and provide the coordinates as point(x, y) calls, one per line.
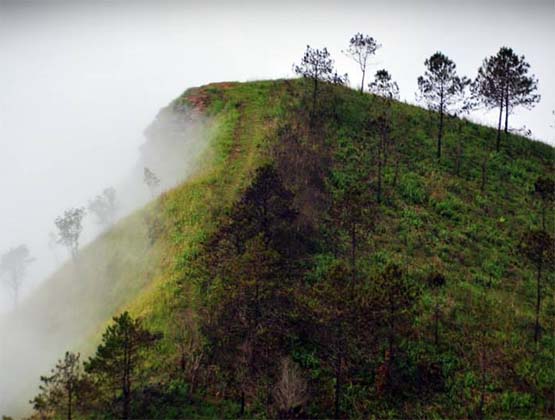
point(151, 181)
point(290, 392)
point(440, 88)
point(361, 48)
point(15, 263)
point(185, 334)
point(69, 229)
point(104, 207)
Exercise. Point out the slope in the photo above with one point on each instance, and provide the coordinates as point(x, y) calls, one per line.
point(463, 217)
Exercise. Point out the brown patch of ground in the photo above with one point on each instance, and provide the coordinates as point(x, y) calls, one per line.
point(200, 98)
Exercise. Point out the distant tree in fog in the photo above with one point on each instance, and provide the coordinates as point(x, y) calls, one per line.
point(69, 229)
point(14, 264)
point(440, 87)
point(151, 181)
point(104, 207)
point(361, 48)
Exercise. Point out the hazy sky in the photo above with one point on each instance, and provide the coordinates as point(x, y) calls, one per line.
point(79, 81)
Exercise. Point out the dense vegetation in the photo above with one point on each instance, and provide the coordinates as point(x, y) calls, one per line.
point(325, 263)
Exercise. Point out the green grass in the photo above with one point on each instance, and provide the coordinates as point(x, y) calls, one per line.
point(433, 219)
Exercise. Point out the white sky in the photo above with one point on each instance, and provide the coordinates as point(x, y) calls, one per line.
point(79, 81)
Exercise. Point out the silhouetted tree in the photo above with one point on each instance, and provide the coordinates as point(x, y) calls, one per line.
point(69, 229)
point(351, 211)
point(436, 281)
point(61, 389)
point(544, 188)
point(538, 247)
point(440, 88)
point(14, 263)
point(104, 206)
point(119, 358)
point(188, 341)
point(316, 66)
point(387, 90)
point(344, 325)
point(151, 181)
point(503, 82)
point(252, 263)
point(397, 296)
point(383, 86)
point(361, 48)
point(479, 343)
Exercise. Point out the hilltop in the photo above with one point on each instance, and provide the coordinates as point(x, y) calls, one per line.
point(312, 246)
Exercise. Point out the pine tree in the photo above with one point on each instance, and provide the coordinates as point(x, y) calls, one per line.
point(118, 359)
point(440, 87)
point(60, 391)
point(503, 82)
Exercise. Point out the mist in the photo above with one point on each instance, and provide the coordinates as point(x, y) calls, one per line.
point(82, 82)
point(82, 293)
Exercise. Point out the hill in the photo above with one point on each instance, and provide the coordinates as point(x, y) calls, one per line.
point(319, 262)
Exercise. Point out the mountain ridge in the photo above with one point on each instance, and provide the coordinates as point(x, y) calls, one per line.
point(447, 216)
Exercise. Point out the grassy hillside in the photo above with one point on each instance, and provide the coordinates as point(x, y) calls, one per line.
point(463, 216)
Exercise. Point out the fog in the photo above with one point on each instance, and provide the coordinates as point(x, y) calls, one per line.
point(81, 81)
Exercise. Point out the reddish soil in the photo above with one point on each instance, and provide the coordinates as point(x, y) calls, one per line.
point(200, 98)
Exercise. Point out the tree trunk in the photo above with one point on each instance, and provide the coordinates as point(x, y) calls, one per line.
point(337, 388)
point(182, 362)
point(436, 327)
point(126, 391)
point(380, 154)
point(483, 376)
point(69, 401)
point(538, 304)
point(440, 132)
point(484, 174)
point(459, 151)
point(391, 336)
point(498, 143)
point(15, 291)
point(506, 115)
point(314, 96)
point(362, 83)
point(353, 257)
point(242, 409)
point(396, 174)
